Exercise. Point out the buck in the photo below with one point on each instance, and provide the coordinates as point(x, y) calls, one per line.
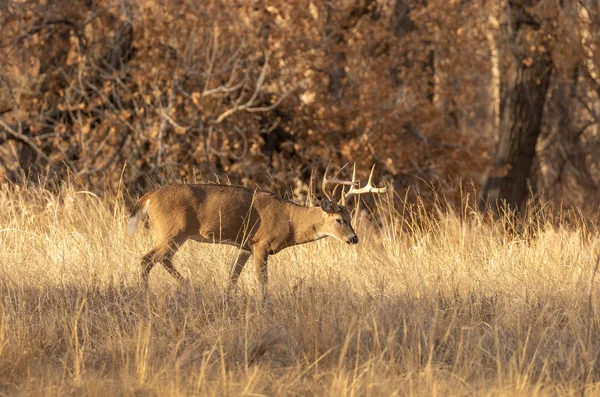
point(258, 222)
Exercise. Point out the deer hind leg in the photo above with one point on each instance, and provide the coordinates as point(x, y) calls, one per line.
point(163, 253)
point(238, 266)
point(168, 264)
point(166, 258)
point(148, 262)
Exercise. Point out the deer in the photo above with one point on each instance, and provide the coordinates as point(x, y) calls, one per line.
point(257, 221)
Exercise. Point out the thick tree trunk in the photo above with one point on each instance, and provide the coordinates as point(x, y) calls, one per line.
point(521, 117)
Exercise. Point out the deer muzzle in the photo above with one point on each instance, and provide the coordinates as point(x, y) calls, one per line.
point(353, 240)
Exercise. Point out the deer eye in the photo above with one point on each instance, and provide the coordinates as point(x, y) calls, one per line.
point(338, 220)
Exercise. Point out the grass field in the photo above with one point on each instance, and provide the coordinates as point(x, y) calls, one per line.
point(422, 306)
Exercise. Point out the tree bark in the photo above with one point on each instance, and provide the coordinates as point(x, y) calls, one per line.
point(521, 114)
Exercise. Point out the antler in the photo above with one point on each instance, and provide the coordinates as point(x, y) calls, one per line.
point(368, 188)
point(335, 181)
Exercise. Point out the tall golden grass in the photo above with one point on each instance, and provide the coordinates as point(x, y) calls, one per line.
point(445, 305)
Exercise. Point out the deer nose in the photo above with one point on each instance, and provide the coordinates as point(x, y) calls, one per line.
point(353, 240)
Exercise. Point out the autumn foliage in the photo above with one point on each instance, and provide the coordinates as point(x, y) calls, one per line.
point(262, 92)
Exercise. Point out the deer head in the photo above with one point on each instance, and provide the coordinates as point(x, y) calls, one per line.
point(337, 219)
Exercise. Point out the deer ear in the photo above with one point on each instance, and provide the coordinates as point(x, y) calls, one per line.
point(327, 206)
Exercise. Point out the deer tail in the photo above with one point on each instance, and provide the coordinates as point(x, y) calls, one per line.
point(139, 211)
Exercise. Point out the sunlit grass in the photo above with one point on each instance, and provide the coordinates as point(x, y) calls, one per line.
point(445, 305)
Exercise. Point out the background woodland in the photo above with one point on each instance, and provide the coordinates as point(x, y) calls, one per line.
point(501, 95)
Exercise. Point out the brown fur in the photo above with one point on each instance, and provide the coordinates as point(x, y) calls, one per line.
point(255, 220)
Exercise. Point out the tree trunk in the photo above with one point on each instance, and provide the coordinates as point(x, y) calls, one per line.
point(491, 35)
point(521, 115)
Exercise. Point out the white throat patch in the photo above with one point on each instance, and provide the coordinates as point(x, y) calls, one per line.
point(323, 235)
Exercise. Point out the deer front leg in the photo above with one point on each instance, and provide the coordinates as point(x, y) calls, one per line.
point(238, 266)
point(260, 264)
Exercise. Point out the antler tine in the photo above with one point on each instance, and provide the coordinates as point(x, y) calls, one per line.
point(368, 188)
point(369, 182)
point(324, 183)
point(333, 180)
point(340, 181)
point(342, 200)
point(335, 188)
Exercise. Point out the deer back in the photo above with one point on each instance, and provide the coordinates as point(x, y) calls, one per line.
point(218, 213)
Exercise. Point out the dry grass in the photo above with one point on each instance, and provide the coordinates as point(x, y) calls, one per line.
point(443, 307)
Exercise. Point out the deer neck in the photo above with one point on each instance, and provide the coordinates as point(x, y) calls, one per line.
point(307, 224)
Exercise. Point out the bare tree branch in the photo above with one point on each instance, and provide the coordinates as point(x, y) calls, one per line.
point(245, 108)
point(25, 139)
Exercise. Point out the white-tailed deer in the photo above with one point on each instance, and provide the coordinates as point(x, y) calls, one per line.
point(258, 222)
